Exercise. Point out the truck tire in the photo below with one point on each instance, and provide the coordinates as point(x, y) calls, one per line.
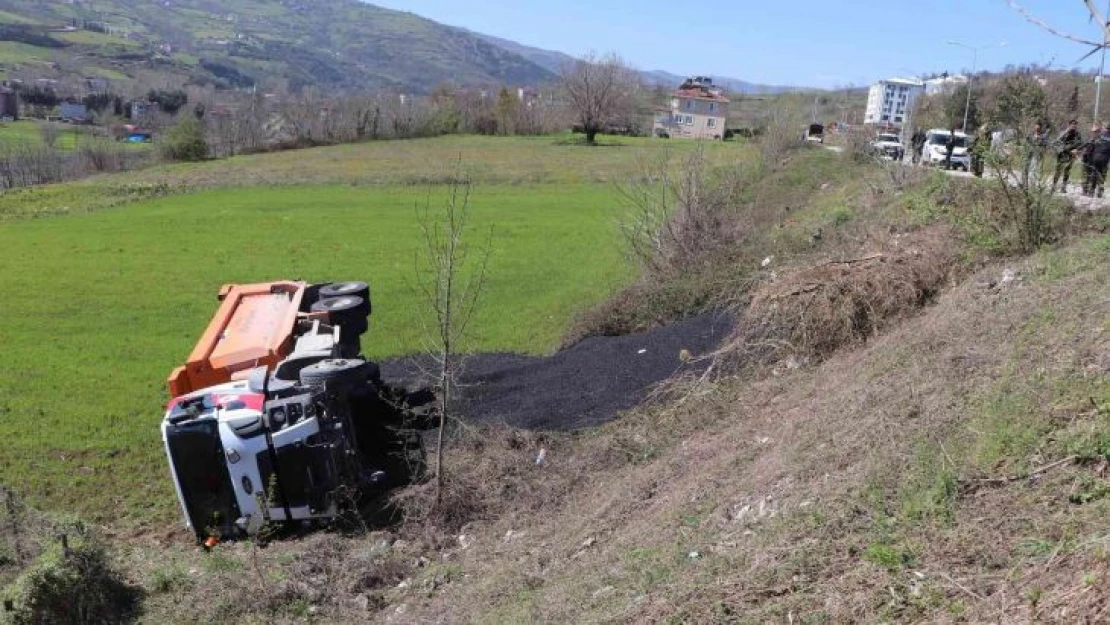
point(312, 295)
point(341, 372)
point(348, 312)
point(342, 289)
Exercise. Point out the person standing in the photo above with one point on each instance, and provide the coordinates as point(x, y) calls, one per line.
point(917, 144)
point(1100, 159)
point(1036, 145)
point(949, 148)
point(980, 149)
point(1085, 151)
point(1065, 147)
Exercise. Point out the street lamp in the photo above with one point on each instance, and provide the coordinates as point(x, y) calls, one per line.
point(1101, 67)
point(974, 62)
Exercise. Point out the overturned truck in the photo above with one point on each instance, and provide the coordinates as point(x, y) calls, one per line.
point(276, 416)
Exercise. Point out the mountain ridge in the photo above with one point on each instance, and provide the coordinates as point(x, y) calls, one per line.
point(326, 44)
point(553, 60)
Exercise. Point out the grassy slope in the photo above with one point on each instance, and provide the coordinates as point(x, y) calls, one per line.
point(101, 306)
point(851, 491)
point(833, 495)
point(855, 491)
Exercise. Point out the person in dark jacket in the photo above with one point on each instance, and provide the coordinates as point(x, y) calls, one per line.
point(1100, 159)
point(1065, 147)
point(1086, 150)
point(949, 148)
point(917, 144)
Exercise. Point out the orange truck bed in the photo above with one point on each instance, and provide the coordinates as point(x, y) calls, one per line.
point(253, 327)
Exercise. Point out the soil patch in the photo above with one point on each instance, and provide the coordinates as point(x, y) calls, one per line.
point(584, 385)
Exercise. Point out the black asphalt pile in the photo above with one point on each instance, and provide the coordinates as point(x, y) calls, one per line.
point(583, 385)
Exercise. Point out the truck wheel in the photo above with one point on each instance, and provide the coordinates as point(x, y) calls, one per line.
point(344, 305)
point(342, 289)
point(346, 373)
point(348, 312)
point(312, 295)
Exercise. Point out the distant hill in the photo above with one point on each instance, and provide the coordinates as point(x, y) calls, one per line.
point(553, 61)
point(336, 44)
point(328, 44)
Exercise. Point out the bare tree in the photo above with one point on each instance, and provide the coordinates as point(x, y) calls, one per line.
point(600, 90)
point(451, 279)
point(1093, 12)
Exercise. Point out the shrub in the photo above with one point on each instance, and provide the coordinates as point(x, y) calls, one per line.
point(185, 141)
point(811, 312)
point(72, 583)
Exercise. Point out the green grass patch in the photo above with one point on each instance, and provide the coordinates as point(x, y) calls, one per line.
point(99, 308)
point(485, 160)
point(106, 72)
point(16, 52)
point(26, 131)
point(12, 18)
point(92, 38)
point(890, 557)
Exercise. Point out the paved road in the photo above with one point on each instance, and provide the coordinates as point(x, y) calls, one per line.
point(1074, 192)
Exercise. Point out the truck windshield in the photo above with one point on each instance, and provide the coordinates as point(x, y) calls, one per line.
point(202, 476)
point(943, 140)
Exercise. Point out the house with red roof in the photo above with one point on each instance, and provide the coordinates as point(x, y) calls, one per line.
point(697, 110)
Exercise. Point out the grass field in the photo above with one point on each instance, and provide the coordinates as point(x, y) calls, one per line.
point(100, 306)
point(27, 131)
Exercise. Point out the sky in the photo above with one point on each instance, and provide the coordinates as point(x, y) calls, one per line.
point(812, 43)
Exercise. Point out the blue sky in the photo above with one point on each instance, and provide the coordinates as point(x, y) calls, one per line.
point(820, 43)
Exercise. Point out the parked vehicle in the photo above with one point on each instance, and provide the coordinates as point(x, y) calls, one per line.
point(814, 132)
point(276, 417)
point(889, 145)
point(936, 149)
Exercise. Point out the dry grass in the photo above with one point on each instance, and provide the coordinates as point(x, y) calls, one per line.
point(833, 493)
point(811, 312)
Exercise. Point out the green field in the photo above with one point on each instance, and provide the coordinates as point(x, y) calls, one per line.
point(27, 131)
point(100, 306)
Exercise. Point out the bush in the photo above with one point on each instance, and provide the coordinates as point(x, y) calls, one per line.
point(71, 584)
point(185, 141)
point(809, 313)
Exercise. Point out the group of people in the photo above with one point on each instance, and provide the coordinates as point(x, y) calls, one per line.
point(1069, 146)
point(1094, 154)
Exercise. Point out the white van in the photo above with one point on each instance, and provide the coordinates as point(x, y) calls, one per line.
point(936, 149)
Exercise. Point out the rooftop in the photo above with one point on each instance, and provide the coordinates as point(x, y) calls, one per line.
point(700, 93)
point(902, 81)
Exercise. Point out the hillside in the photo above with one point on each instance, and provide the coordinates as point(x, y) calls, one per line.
point(553, 61)
point(934, 449)
point(331, 44)
point(345, 44)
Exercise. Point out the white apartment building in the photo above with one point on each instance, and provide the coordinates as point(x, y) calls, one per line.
point(890, 101)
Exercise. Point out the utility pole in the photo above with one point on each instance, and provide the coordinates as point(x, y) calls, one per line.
point(974, 66)
point(1101, 65)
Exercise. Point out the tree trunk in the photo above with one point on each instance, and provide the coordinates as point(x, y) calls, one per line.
point(591, 132)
